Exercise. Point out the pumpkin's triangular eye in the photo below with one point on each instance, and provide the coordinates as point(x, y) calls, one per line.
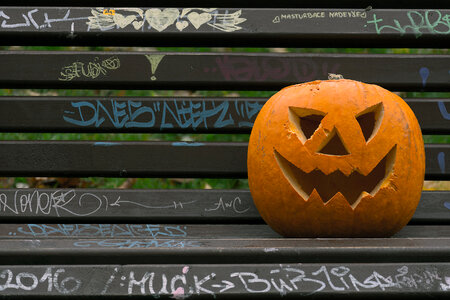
point(309, 124)
point(305, 120)
point(370, 120)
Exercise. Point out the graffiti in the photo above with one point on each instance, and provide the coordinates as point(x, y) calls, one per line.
point(283, 280)
point(44, 203)
point(429, 21)
point(441, 161)
point(314, 15)
point(445, 286)
point(237, 68)
point(109, 12)
point(30, 19)
point(129, 243)
point(69, 202)
point(105, 19)
point(154, 60)
point(445, 114)
point(103, 230)
point(348, 14)
point(91, 69)
point(163, 114)
point(308, 15)
point(234, 205)
point(27, 281)
point(161, 19)
point(424, 74)
point(183, 281)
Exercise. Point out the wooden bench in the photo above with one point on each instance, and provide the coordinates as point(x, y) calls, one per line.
point(180, 243)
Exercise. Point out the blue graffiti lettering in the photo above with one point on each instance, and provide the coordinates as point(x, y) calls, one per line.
point(82, 121)
point(119, 116)
point(186, 144)
point(221, 122)
point(117, 243)
point(165, 114)
point(443, 110)
point(424, 73)
point(195, 114)
point(251, 109)
point(141, 110)
point(103, 230)
point(441, 161)
point(106, 144)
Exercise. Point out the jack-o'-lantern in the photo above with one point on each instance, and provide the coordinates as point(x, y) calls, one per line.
point(336, 158)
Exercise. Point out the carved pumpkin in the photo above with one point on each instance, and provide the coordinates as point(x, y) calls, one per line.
point(336, 158)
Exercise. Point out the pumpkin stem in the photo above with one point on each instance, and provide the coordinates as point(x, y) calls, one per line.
point(332, 76)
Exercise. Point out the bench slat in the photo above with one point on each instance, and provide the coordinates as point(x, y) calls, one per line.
point(434, 116)
point(416, 242)
point(151, 159)
point(264, 281)
point(356, 27)
point(249, 3)
point(163, 206)
point(263, 71)
point(174, 231)
point(164, 114)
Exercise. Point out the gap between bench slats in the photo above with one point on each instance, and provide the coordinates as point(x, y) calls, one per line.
point(264, 281)
point(356, 27)
point(238, 71)
point(165, 114)
point(162, 206)
point(151, 159)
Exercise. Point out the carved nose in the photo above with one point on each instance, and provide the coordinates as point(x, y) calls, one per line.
point(333, 145)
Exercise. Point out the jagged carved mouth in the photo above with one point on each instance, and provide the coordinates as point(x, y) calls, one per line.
point(353, 187)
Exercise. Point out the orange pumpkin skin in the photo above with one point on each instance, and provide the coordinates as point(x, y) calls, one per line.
point(359, 174)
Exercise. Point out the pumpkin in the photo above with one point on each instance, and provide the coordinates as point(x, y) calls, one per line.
point(336, 158)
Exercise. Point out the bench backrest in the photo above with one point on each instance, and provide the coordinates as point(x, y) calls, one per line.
point(182, 242)
point(115, 112)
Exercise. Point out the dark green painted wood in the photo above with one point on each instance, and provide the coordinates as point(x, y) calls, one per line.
point(161, 206)
point(150, 159)
point(216, 71)
point(359, 26)
point(248, 3)
point(123, 232)
point(414, 243)
point(231, 281)
point(164, 114)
